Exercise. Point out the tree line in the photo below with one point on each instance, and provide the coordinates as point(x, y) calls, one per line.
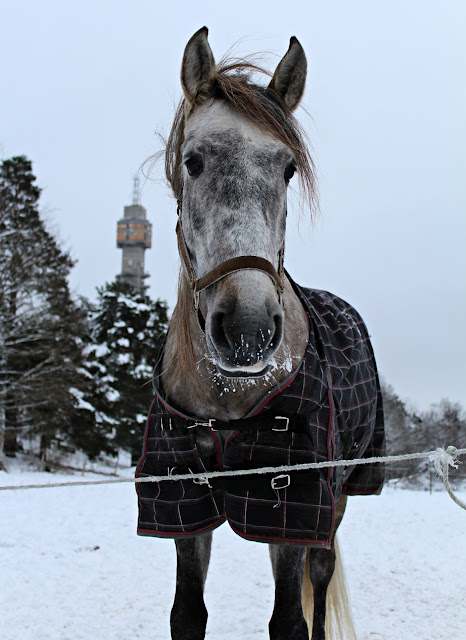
point(77, 375)
point(442, 425)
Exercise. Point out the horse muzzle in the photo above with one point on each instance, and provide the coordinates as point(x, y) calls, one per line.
point(244, 331)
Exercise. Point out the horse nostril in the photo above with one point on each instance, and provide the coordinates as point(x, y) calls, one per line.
point(218, 332)
point(276, 335)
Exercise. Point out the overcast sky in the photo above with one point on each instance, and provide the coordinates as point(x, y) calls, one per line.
point(86, 84)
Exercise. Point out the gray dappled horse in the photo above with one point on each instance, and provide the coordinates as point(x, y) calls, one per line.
point(239, 327)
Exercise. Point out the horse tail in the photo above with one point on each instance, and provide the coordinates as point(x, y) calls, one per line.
point(339, 623)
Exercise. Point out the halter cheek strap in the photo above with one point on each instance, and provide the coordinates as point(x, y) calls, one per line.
point(232, 265)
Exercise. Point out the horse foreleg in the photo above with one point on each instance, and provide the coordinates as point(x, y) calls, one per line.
point(188, 617)
point(287, 621)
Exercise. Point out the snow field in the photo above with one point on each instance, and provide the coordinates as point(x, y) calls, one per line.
point(72, 568)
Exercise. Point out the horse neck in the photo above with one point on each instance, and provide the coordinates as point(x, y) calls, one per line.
point(191, 380)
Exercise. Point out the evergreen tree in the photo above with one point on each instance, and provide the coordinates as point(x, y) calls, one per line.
point(81, 423)
point(42, 330)
point(128, 330)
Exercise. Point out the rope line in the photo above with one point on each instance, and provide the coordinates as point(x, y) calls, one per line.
point(441, 458)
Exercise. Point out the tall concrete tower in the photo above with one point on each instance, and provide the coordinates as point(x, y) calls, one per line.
point(134, 236)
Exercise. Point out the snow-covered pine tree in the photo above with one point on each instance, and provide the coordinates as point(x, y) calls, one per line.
point(128, 331)
point(42, 329)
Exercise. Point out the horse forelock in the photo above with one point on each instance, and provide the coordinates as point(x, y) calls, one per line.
point(258, 105)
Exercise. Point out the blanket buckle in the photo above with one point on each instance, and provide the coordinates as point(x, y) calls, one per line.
point(281, 482)
point(286, 423)
point(162, 424)
point(209, 423)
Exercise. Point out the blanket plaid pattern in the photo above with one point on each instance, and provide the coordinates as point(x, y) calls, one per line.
point(331, 407)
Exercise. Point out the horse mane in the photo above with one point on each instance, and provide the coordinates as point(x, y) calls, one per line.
point(265, 109)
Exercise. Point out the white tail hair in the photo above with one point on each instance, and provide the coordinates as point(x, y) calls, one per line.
point(339, 623)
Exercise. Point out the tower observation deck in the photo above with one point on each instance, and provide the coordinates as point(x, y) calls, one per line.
point(134, 236)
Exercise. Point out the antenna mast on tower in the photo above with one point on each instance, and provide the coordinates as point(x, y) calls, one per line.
point(136, 191)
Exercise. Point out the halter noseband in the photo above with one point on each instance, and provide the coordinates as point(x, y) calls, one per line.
point(232, 265)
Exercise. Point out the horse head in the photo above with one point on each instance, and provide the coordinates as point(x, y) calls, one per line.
point(237, 152)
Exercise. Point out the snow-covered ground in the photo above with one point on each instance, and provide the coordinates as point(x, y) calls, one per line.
point(72, 568)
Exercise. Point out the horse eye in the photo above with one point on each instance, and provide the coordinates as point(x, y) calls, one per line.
point(289, 172)
point(194, 165)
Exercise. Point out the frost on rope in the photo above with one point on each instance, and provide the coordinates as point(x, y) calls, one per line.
point(442, 459)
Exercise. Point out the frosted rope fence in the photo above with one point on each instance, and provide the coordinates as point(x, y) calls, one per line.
point(442, 459)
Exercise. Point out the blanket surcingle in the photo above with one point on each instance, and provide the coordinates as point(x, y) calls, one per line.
point(329, 409)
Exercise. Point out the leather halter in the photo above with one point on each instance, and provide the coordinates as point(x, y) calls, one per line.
point(223, 269)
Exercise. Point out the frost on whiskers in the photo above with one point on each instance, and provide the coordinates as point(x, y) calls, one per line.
point(282, 361)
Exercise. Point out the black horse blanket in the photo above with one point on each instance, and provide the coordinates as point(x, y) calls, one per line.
point(329, 409)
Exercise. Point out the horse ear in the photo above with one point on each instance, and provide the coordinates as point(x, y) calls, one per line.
point(290, 75)
point(198, 67)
